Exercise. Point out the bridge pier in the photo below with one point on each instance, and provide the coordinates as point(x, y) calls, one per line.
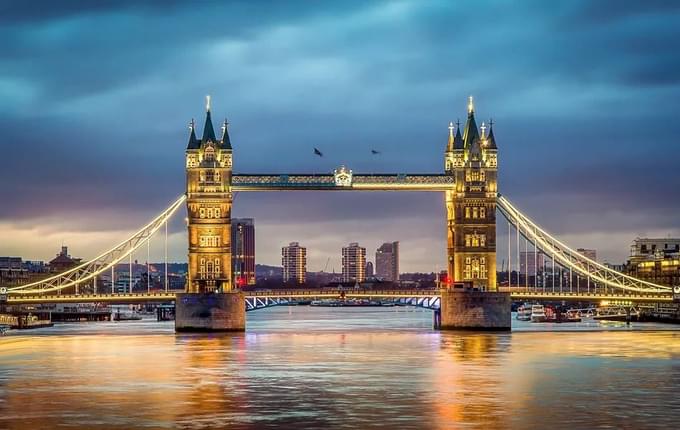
point(201, 312)
point(475, 310)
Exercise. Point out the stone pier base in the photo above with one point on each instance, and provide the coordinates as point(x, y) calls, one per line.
point(475, 310)
point(196, 312)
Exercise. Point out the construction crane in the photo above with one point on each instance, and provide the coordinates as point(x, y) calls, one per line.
point(326, 266)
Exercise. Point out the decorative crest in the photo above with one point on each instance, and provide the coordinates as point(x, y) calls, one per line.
point(343, 177)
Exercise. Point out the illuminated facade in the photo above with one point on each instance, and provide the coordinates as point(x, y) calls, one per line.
point(472, 159)
point(353, 263)
point(294, 261)
point(243, 251)
point(655, 260)
point(209, 199)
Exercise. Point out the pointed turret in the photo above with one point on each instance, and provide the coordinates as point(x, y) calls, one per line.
point(458, 140)
point(449, 145)
point(471, 133)
point(490, 140)
point(226, 142)
point(208, 130)
point(193, 142)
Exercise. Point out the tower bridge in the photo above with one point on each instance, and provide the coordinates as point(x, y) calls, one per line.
point(472, 201)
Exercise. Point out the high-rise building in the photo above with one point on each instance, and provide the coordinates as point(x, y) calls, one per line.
point(243, 251)
point(531, 263)
point(353, 263)
point(294, 260)
point(208, 168)
point(369, 269)
point(589, 253)
point(472, 160)
point(387, 261)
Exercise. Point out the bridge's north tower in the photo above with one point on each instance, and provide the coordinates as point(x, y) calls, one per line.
point(209, 199)
point(471, 206)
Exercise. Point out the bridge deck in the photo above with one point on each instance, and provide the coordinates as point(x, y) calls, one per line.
point(320, 294)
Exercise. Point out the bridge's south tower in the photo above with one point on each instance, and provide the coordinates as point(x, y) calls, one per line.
point(471, 207)
point(209, 198)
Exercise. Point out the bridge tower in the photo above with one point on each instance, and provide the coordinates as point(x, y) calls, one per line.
point(471, 206)
point(209, 199)
point(209, 304)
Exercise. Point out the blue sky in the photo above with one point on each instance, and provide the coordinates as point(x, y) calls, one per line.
point(95, 101)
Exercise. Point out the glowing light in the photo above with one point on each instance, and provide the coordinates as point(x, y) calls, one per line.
point(483, 127)
point(471, 106)
point(207, 103)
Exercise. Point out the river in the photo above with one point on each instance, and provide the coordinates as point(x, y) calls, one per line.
point(353, 368)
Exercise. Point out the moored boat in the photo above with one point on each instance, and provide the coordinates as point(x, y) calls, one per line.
point(524, 312)
point(538, 313)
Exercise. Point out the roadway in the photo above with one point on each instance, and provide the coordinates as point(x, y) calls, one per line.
point(159, 297)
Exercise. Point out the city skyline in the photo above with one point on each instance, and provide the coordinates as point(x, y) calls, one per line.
point(595, 159)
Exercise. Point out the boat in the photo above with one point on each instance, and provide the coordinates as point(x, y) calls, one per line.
point(569, 316)
point(524, 312)
point(538, 313)
point(118, 316)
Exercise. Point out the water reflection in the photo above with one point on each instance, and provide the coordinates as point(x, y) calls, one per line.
point(321, 368)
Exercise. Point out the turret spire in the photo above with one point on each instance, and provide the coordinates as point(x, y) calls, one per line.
point(449, 146)
point(208, 130)
point(471, 133)
point(226, 142)
point(491, 140)
point(458, 140)
point(193, 142)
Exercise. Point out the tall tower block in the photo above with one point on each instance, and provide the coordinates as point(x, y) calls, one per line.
point(209, 199)
point(471, 206)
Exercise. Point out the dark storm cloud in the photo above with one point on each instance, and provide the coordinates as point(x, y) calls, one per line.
point(94, 98)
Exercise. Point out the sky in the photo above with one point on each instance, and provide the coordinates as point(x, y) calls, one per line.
point(95, 98)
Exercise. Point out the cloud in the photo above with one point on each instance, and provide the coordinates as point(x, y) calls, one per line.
point(95, 97)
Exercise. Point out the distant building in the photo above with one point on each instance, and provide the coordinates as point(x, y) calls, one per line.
point(531, 263)
point(387, 261)
point(63, 262)
point(643, 249)
point(12, 271)
point(369, 269)
point(589, 253)
point(655, 260)
point(294, 260)
point(353, 263)
point(243, 251)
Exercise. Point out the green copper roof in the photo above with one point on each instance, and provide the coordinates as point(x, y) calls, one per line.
point(208, 131)
point(193, 142)
point(458, 140)
point(226, 142)
point(491, 140)
point(471, 133)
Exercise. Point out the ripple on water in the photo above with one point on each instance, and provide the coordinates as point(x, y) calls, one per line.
point(338, 368)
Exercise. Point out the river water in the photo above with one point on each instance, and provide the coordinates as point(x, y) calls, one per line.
point(305, 367)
